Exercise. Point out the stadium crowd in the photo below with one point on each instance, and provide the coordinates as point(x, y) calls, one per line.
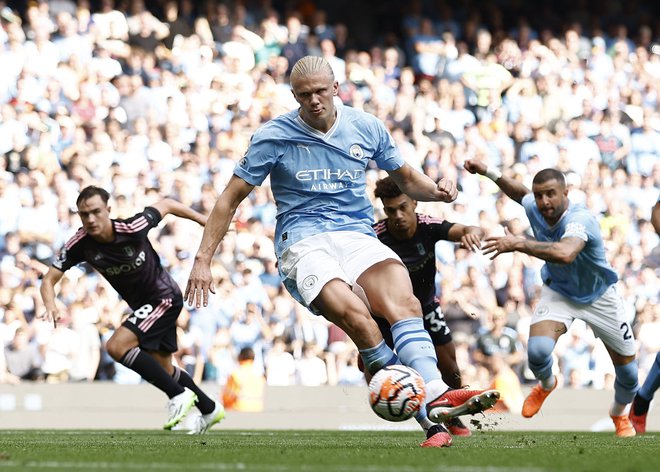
point(162, 103)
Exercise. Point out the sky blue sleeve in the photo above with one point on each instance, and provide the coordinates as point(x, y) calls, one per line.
point(580, 225)
point(529, 204)
point(259, 159)
point(388, 157)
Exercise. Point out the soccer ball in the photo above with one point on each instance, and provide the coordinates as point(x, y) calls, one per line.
point(396, 392)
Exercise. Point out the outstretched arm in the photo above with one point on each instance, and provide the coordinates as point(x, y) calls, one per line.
point(469, 236)
point(514, 189)
point(200, 282)
point(421, 187)
point(560, 252)
point(47, 291)
point(169, 206)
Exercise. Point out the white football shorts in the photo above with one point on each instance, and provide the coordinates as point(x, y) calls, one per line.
point(606, 316)
point(311, 263)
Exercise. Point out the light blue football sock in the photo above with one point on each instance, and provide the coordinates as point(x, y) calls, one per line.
point(415, 349)
point(652, 381)
point(375, 358)
point(625, 382)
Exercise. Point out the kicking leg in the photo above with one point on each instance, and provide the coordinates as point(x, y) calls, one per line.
point(388, 290)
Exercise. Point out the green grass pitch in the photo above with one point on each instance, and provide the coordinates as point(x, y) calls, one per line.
point(323, 451)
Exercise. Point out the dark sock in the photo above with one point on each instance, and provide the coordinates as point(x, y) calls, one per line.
point(435, 429)
point(204, 403)
point(151, 371)
point(640, 405)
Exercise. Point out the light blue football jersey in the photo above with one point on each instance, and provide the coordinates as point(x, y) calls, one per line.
point(318, 179)
point(589, 275)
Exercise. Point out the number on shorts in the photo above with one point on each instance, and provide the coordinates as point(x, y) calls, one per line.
point(626, 331)
point(435, 321)
point(143, 311)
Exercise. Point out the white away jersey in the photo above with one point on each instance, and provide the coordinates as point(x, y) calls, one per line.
point(589, 275)
point(318, 179)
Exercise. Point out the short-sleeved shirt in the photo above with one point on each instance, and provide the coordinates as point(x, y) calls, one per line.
point(129, 262)
point(418, 254)
point(318, 179)
point(589, 275)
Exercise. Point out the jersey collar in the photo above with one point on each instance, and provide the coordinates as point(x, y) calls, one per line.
point(319, 134)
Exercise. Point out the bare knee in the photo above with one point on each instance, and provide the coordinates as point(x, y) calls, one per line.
point(120, 343)
point(115, 349)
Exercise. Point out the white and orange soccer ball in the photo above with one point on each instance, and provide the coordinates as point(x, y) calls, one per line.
point(396, 392)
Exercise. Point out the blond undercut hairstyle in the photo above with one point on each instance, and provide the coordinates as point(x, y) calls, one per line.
point(311, 65)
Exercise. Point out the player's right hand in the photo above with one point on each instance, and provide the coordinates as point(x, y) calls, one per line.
point(474, 166)
point(200, 283)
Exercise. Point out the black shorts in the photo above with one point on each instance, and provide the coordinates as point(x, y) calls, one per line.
point(434, 323)
point(154, 323)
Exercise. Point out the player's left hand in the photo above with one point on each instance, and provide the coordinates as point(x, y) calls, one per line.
point(497, 245)
point(447, 191)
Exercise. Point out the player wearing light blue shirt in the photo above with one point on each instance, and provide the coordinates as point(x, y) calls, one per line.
point(328, 255)
point(319, 179)
point(589, 275)
point(579, 283)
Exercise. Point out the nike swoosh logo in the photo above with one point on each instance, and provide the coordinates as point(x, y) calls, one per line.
point(442, 402)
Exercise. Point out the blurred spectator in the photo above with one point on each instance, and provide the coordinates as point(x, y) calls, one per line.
point(280, 364)
point(507, 382)
point(613, 149)
point(499, 340)
point(349, 373)
point(220, 358)
point(311, 370)
point(295, 46)
point(60, 352)
point(645, 145)
point(244, 390)
point(22, 357)
point(86, 362)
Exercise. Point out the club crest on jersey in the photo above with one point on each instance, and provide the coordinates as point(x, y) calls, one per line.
point(62, 255)
point(356, 151)
point(129, 250)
